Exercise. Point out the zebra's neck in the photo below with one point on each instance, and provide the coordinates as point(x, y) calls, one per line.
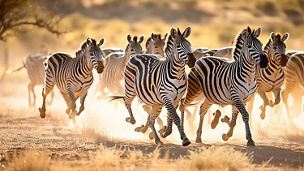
point(176, 66)
point(273, 65)
point(84, 66)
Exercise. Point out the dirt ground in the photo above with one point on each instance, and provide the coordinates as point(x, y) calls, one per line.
point(22, 129)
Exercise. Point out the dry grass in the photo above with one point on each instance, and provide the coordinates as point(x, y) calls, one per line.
point(215, 158)
point(29, 161)
point(91, 134)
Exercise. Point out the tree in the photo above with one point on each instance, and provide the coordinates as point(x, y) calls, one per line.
point(16, 16)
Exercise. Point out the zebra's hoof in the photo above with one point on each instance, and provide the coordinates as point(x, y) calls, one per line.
point(138, 129)
point(72, 116)
point(225, 137)
point(162, 130)
point(250, 143)
point(225, 119)
point(159, 143)
point(131, 120)
point(186, 142)
point(151, 136)
point(68, 111)
point(42, 113)
point(215, 121)
point(198, 140)
point(262, 115)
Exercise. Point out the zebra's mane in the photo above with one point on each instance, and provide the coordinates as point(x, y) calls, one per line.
point(153, 37)
point(80, 53)
point(268, 45)
point(169, 45)
point(239, 42)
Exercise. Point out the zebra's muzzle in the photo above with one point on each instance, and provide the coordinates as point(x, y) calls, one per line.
point(284, 60)
point(100, 67)
point(191, 59)
point(263, 61)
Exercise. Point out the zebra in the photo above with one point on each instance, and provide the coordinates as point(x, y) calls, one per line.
point(72, 76)
point(270, 79)
point(160, 82)
point(114, 69)
point(34, 65)
point(294, 83)
point(227, 83)
point(107, 51)
point(155, 44)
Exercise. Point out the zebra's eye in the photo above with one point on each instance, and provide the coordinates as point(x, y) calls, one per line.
point(132, 50)
point(91, 53)
point(249, 46)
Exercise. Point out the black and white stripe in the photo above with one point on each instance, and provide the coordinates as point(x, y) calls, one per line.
point(72, 76)
point(160, 82)
point(271, 78)
point(227, 83)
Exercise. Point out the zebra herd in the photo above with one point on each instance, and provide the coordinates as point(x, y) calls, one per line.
point(158, 77)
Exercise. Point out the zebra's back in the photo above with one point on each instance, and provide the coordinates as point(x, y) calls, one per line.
point(35, 68)
point(217, 76)
point(295, 70)
point(150, 77)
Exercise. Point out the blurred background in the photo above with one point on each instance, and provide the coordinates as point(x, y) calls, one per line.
point(68, 23)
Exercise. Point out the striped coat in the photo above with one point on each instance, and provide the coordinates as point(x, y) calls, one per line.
point(72, 76)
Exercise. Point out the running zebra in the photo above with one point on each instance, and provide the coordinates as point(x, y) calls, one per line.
point(160, 82)
point(115, 66)
point(34, 65)
point(294, 83)
point(72, 76)
point(271, 78)
point(227, 83)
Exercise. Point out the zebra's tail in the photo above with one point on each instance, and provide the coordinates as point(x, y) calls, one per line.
point(116, 98)
point(15, 70)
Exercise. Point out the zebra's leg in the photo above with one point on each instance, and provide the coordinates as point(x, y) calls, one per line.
point(52, 98)
point(285, 94)
point(148, 109)
point(30, 90)
point(203, 110)
point(70, 90)
point(277, 95)
point(82, 99)
point(215, 121)
point(262, 93)
point(130, 92)
point(67, 101)
point(240, 106)
point(250, 107)
point(151, 124)
point(231, 123)
point(34, 96)
point(193, 91)
point(48, 87)
point(173, 115)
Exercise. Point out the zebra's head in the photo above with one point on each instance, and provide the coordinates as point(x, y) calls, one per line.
point(253, 47)
point(94, 54)
point(183, 46)
point(155, 44)
point(279, 48)
point(134, 46)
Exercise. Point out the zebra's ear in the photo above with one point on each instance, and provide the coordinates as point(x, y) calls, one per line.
point(141, 39)
point(101, 42)
point(165, 37)
point(285, 37)
point(257, 32)
point(248, 30)
point(173, 33)
point(272, 36)
point(89, 40)
point(152, 35)
point(187, 32)
point(129, 38)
